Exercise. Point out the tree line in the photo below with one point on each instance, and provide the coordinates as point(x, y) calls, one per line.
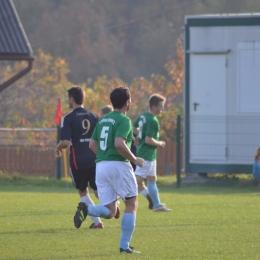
point(32, 101)
point(115, 38)
point(100, 45)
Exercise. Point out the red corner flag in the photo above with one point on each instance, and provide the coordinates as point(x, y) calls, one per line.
point(58, 114)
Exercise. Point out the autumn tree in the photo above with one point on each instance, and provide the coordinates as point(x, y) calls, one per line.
point(32, 100)
point(141, 90)
point(97, 92)
point(119, 39)
point(82, 33)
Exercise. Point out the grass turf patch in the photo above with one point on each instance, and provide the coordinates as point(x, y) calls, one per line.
point(208, 222)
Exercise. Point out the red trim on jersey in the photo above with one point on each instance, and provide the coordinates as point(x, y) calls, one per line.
point(74, 158)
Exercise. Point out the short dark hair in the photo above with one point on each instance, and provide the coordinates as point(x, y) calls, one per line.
point(155, 99)
point(106, 109)
point(77, 93)
point(119, 96)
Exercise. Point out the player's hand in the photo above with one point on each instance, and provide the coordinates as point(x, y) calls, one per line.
point(58, 152)
point(139, 162)
point(162, 143)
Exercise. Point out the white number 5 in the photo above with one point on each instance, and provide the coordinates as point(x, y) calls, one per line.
point(104, 135)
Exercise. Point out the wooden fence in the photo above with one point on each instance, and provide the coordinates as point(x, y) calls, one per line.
point(27, 161)
point(39, 161)
point(28, 151)
point(166, 159)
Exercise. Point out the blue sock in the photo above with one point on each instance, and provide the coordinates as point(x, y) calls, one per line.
point(98, 211)
point(152, 188)
point(127, 226)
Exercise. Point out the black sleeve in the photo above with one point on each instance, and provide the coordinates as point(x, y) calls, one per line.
point(65, 132)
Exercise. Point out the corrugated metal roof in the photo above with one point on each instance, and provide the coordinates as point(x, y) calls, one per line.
point(13, 40)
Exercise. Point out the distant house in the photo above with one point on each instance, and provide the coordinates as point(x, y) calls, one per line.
point(14, 45)
point(222, 93)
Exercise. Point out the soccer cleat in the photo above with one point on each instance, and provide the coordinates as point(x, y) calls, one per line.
point(162, 204)
point(149, 198)
point(161, 209)
point(80, 214)
point(98, 226)
point(130, 250)
point(117, 215)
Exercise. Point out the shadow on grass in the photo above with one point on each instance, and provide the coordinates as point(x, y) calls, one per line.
point(18, 183)
point(33, 214)
point(38, 231)
point(213, 184)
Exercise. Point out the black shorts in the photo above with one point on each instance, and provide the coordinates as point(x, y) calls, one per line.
point(82, 177)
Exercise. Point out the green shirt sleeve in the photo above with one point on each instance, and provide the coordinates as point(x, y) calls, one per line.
point(152, 129)
point(136, 122)
point(124, 128)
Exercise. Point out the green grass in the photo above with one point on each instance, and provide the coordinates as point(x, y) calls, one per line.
point(219, 220)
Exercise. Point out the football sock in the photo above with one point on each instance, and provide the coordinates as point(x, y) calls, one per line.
point(127, 226)
point(98, 211)
point(86, 199)
point(152, 188)
point(145, 192)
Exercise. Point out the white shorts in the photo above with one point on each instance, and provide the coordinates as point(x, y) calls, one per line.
point(115, 178)
point(149, 169)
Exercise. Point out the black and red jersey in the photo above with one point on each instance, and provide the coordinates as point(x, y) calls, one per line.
point(77, 127)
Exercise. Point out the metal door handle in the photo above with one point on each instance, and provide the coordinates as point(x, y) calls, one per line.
point(195, 105)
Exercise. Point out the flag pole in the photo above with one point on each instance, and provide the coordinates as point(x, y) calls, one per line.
point(58, 124)
point(65, 164)
point(58, 160)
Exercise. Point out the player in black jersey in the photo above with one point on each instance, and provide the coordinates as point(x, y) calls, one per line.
point(76, 131)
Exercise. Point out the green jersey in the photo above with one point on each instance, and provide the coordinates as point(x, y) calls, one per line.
point(148, 126)
point(114, 124)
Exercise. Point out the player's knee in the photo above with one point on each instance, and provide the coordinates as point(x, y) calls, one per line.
point(111, 215)
point(112, 211)
point(140, 186)
point(151, 178)
point(140, 183)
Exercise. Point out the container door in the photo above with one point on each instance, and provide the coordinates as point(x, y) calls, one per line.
point(208, 108)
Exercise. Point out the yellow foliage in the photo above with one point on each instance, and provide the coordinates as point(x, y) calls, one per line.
point(32, 100)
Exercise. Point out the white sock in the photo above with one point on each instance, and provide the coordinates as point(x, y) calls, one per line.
point(145, 192)
point(86, 199)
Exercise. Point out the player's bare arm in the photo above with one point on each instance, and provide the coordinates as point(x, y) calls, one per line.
point(123, 150)
point(93, 145)
point(136, 141)
point(151, 141)
point(61, 145)
point(135, 130)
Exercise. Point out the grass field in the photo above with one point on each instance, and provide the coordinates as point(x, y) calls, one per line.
point(220, 220)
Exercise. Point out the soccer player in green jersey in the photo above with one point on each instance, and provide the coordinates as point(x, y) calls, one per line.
point(148, 129)
point(111, 141)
